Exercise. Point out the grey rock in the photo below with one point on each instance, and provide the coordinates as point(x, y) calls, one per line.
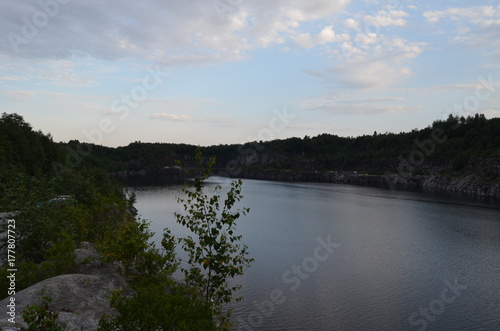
point(81, 299)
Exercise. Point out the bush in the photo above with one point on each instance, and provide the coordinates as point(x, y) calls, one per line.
point(60, 260)
point(125, 243)
point(41, 317)
point(153, 308)
point(60, 257)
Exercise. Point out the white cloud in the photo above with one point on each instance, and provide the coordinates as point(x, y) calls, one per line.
point(476, 27)
point(304, 40)
point(433, 16)
point(21, 95)
point(214, 121)
point(179, 105)
point(348, 104)
point(172, 117)
point(312, 9)
point(367, 38)
point(62, 73)
point(481, 15)
point(160, 31)
point(66, 74)
point(469, 87)
point(11, 78)
point(374, 61)
point(325, 36)
point(373, 73)
point(385, 18)
point(351, 23)
point(350, 51)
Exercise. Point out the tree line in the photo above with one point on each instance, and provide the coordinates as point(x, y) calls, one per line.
point(465, 138)
point(462, 138)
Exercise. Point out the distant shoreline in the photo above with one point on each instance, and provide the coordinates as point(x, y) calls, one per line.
point(469, 185)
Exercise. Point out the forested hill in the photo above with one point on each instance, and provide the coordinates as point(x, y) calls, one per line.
point(24, 150)
point(452, 145)
point(456, 140)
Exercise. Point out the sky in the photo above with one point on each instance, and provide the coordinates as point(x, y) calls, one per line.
point(210, 72)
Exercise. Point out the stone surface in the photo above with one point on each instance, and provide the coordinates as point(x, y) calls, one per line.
point(437, 176)
point(81, 299)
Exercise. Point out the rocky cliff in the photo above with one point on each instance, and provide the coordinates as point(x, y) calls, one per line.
point(479, 177)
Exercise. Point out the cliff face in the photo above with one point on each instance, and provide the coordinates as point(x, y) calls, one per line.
point(479, 177)
point(469, 184)
point(165, 171)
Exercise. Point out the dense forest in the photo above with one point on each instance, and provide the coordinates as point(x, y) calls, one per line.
point(24, 150)
point(454, 142)
point(455, 139)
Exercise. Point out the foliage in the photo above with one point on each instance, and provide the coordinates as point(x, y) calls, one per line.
point(135, 156)
point(41, 316)
point(52, 213)
point(215, 254)
point(59, 259)
point(472, 137)
point(125, 243)
point(42, 213)
point(153, 308)
point(24, 150)
point(60, 256)
point(129, 244)
point(159, 303)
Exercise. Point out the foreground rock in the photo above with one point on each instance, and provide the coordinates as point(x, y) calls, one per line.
point(81, 299)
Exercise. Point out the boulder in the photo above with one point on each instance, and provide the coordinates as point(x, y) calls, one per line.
point(81, 299)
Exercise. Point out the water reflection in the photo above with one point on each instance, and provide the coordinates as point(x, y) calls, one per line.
point(397, 251)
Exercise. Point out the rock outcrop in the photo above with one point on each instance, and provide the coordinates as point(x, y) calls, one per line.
point(468, 183)
point(81, 298)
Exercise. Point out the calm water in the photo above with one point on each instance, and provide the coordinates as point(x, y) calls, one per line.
point(337, 257)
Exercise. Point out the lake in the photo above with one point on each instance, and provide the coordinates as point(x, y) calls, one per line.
point(339, 257)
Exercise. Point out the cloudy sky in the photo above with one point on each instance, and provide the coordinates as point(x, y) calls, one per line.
point(230, 71)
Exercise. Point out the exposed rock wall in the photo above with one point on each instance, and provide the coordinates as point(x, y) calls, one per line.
point(476, 180)
point(479, 177)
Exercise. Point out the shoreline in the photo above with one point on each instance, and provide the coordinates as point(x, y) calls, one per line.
point(467, 186)
point(480, 177)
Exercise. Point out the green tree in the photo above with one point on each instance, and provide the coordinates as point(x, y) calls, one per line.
point(215, 253)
